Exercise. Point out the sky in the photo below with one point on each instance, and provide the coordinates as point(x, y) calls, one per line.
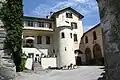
point(42, 8)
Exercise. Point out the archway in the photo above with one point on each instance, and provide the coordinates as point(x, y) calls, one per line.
point(97, 54)
point(29, 41)
point(78, 56)
point(88, 56)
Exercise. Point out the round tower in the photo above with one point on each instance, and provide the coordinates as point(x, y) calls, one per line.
point(64, 46)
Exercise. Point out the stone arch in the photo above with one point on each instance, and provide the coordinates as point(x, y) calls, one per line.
point(88, 55)
point(97, 54)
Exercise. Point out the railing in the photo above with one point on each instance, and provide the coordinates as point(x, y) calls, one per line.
point(35, 45)
point(28, 45)
point(39, 47)
point(39, 25)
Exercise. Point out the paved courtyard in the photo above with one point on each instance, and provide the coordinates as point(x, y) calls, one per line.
point(81, 73)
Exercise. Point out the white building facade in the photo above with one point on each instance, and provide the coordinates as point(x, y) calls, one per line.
point(57, 36)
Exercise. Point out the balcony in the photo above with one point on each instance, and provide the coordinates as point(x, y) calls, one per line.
point(41, 26)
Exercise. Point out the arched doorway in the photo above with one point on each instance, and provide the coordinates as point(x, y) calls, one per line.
point(88, 56)
point(78, 54)
point(29, 41)
point(78, 60)
point(97, 54)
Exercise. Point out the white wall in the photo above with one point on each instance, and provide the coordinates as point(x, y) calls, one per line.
point(79, 31)
point(29, 63)
point(46, 62)
point(31, 50)
point(67, 57)
point(64, 57)
point(44, 48)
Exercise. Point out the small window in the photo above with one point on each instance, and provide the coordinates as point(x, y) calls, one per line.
point(71, 35)
point(53, 50)
point(68, 15)
point(47, 40)
point(74, 25)
point(75, 37)
point(86, 39)
point(39, 39)
point(62, 35)
point(94, 35)
point(65, 49)
point(37, 54)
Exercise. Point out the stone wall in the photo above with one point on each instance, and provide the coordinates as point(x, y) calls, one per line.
point(110, 21)
point(7, 67)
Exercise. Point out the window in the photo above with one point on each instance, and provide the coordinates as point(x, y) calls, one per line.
point(75, 37)
point(47, 40)
point(68, 15)
point(62, 35)
point(30, 23)
point(39, 39)
point(86, 39)
point(53, 50)
point(37, 54)
point(71, 35)
point(65, 49)
point(74, 25)
point(94, 35)
point(41, 24)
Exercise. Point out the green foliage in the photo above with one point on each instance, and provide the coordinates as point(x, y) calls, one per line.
point(23, 61)
point(11, 16)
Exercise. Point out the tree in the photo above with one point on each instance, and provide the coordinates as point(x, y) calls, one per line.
point(11, 16)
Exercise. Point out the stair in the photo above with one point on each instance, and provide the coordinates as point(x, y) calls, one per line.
point(37, 67)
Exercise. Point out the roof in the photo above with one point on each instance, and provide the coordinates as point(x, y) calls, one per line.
point(36, 18)
point(68, 8)
point(91, 29)
point(79, 51)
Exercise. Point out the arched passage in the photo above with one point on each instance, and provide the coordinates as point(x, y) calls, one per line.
point(78, 57)
point(98, 54)
point(88, 55)
point(29, 42)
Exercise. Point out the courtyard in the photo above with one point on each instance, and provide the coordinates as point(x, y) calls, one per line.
point(81, 73)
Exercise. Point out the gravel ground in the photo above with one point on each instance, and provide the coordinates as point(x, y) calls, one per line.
point(81, 73)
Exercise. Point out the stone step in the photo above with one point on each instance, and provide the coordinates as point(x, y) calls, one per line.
point(37, 67)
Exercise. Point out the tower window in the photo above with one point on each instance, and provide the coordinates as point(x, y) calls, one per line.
point(71, 35)
point(86, 39)
point(74, 25)
point(68, 15)
point(65, 49)
point(94, 35)
point(75, 37)
point(53, 50)
point(39, 39)
point(62, 35)
point(47, 40)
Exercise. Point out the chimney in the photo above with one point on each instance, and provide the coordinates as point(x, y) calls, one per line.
point(51, 13)
point(47, 17)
